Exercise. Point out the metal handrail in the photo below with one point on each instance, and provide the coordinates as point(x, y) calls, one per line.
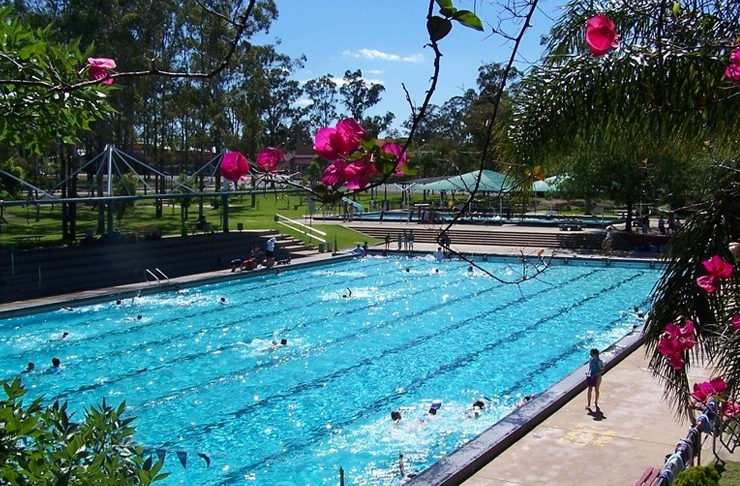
point(160, 272)
point(298, 226)
point(148, 272)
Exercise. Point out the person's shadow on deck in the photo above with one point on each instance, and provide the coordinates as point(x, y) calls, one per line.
point(597, 414)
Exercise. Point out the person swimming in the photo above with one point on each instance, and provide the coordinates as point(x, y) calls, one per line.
point(436, 405)
point(525, 400)
point(476, 408)
point(276, 345)
point(396, 416)
point(56, 366)
point(348, 294)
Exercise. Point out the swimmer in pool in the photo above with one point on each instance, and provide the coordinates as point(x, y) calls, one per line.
point(476, 408)
point(276, 345)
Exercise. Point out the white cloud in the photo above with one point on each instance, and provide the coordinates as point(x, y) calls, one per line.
point(374, 54)
point(304, 102)
point(375, 71)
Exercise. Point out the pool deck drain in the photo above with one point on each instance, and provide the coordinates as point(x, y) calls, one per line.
point(567, 446)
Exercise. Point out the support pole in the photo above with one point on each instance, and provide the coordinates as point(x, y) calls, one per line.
point(109, 161)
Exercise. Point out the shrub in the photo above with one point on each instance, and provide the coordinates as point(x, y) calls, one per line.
point(42, 445)
point(698, 476)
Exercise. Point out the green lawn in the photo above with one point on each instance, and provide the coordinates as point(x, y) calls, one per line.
point(45, 221)
point(730, 474)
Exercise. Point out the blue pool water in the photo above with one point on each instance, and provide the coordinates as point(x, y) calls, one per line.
point(198, 376)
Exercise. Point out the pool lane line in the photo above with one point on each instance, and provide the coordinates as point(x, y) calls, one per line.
point(318, 383)
point(257, 367)
point(260, 366)
point(319, 432)
point(171, 321)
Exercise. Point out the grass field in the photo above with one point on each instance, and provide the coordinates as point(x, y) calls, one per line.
point(45, 221)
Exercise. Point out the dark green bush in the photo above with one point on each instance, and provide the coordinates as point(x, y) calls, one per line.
point(698, 476)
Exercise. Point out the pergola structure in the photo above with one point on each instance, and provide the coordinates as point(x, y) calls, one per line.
point(112, 164)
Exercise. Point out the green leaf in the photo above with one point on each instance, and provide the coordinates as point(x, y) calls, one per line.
point(676, 8)
point(438, 28)
point(468, 19)
point(444, 4)
point(448, 12)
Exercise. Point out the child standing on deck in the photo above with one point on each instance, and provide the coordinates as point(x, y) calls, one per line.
point(593, 377)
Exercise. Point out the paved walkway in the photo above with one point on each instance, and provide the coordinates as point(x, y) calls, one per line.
point(636, 430)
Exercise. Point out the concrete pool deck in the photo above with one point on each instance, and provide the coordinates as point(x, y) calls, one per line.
point(635, 429)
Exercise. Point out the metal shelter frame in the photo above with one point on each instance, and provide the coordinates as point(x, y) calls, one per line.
point(116, 163)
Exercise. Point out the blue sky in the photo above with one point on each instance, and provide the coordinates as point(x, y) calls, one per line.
point(386, 39)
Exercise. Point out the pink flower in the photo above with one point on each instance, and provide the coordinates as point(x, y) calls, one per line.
point(352, 132)
point(707, 283)
point(600, 35)
point(676, 361)
point(704, 391)
point(668, 346)
point(100, 68)
point(731, 409)
point(733, 69)
point(675, 341)
point(717, 269)
point(400, 155)
point(736, 322)
point(334, 174)
point(333, 143)
point(359, 174)
point(234, 166)
point(269, 158)
point(330, 144)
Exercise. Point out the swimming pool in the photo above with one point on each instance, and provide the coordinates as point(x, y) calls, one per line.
point(364, 338)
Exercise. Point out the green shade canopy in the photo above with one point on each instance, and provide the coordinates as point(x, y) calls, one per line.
point(490, 181)
point(550, 184)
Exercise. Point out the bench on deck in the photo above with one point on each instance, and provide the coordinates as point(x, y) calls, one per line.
point(649, 476)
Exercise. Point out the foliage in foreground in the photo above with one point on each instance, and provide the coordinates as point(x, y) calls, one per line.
point(41, 445)
point(698, 476)
point(678, 299)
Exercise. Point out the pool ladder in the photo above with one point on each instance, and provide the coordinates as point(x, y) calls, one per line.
point(157, 274)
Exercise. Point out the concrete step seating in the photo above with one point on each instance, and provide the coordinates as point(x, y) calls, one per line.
point(52, 271)
point(531, 239)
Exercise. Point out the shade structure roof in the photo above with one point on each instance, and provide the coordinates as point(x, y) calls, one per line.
point(490, 181)
point(550, 184)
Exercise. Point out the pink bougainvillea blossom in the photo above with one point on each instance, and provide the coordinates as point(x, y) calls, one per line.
point(675, 341)
point(731, 409)
point(234, 166)
point(322, 143)
point(332, 143)
point(398, 152)
point(352, 132)
point(733, 69)
point(359, 173)
point(269, 158)
point(717, 269)
point(600, 35)
point(736, 322)
point(100, 68)
point(334, 174)
point(704, 391)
